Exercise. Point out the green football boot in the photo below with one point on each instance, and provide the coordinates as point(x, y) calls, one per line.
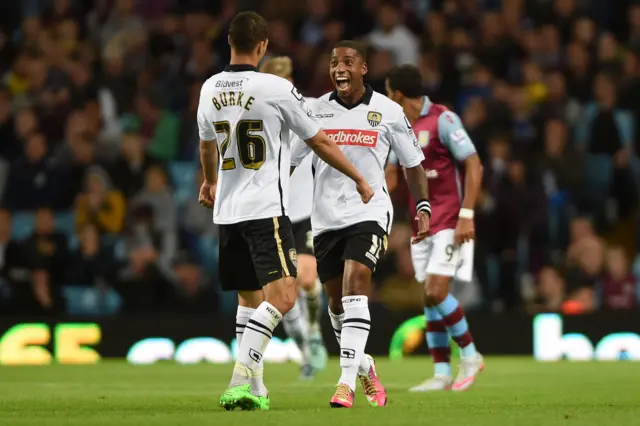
point(239, 397)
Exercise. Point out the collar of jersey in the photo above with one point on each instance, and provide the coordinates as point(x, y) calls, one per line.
point(240, 68)
point(426, 106)
point(365, 99)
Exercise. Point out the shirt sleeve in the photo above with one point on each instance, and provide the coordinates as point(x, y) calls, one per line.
point(404, 143)
point(205, 123)
point(297, 114)
point(392, 159)
point(299, 151)
point(454, 136)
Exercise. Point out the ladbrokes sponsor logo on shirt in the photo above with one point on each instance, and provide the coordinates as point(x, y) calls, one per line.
point(354, 137)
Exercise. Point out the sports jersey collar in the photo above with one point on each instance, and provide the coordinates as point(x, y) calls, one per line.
point(240, 68)
point(425, 107)
point(365, 99)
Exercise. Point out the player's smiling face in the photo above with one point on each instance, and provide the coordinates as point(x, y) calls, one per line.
point(346, 69)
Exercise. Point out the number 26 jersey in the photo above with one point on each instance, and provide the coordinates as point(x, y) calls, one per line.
point(249, 115)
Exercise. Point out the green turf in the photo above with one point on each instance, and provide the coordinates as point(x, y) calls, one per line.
point(509, 392)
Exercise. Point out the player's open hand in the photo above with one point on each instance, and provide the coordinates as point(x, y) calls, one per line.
point(207, 195)
point(423, 227)
point(465, 231)
point(365, 190)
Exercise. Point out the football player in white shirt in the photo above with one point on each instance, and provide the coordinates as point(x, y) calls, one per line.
point(349, 238)
point(242, 118)
point(303, 327)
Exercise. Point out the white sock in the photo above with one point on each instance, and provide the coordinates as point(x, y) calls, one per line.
point(257, 334)
point(256, 380)
point(336, 323)
point(314, 305)
point(355, 332)
point(297, 328)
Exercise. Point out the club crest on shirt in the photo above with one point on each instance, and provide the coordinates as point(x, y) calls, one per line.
point(374, 118)
point(293, 256)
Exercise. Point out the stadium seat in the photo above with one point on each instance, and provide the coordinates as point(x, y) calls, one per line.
point(183, 177)
point(87, 300)
point(66, 222)
point(22, 225)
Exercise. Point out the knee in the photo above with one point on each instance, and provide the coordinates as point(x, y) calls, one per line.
point(283, 297)
point(307, 276)
point(358, 280)
point(436, 289)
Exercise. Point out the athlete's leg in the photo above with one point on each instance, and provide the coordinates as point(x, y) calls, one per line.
point(442, 304)
point(436, 332)
point(271, 246)
point(309, 283)
point(248, 302)
point(362, 252)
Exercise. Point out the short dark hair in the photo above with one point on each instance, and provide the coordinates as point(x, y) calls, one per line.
point(407, 80)
point(359, 47)
point(247, 29)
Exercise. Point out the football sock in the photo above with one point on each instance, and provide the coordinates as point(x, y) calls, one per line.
point(457, 326)
point(314, 304)
point(438, 341)
point(256, 378)
point(336, 324)
point(256, 337)
point(297, 328)
point(355, 332)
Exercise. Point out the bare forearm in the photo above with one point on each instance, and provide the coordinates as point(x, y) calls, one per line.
point(209, 161)
point(472, 182)
point(329, 152)
point(418, 185)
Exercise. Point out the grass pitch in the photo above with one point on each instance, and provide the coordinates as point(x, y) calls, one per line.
point(511, 391)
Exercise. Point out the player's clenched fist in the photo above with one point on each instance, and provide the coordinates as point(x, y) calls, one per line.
point(365, 191)
point(207, 195)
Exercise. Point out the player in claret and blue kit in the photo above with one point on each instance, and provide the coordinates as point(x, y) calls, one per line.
point(349, 237)
point(450, 159)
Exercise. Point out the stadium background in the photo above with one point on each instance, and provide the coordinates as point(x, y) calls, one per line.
point(99, 222)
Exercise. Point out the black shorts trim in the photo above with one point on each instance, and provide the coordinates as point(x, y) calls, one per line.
point(303, 236)
point(364, 242)
point(255, 253)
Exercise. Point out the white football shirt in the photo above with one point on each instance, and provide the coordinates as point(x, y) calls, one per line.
point(250, 114)
point(301, 186)
point(366, 133)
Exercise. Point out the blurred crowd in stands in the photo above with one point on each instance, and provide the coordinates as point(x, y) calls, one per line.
point(98, 144)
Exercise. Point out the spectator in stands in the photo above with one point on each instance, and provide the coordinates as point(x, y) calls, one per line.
point(619, 289)
point(392, 35)
point(14, 276)
point(158, 194)
point(47, 251)
point(190, 292)
point(159, 128)
point(100, 205)
point(91, 264)
point(551, 291)
point(196, 222)
point(146, 277)
point(31, 179)
point(131, 165)
point(605, 133)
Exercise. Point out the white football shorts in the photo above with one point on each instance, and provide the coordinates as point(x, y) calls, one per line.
point(439, 255)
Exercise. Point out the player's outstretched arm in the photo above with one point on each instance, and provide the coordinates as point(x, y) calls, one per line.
point(331, 154)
